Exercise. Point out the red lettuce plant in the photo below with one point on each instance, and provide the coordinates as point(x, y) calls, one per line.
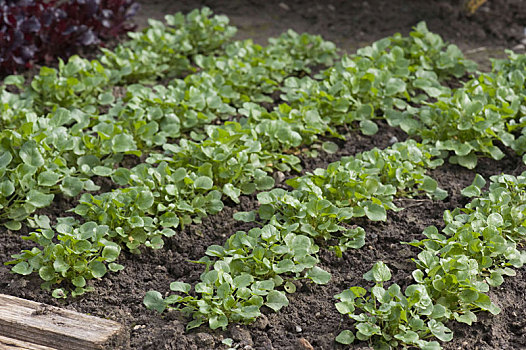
point(41, 31)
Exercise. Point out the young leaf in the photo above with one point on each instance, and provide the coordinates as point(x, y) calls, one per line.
point(329, 147)
point(318, 275)
point(203, 182)
point(375, 212)
point(475, 189)
point(345, 337)
point(39, 199)
point(180, 287)
point(379, 273)
point(30, 154)
point(276, 300)
point(245, 216)
point(368, 127)
point(153, 300)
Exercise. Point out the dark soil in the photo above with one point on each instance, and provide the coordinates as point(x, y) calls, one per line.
point(310, 321)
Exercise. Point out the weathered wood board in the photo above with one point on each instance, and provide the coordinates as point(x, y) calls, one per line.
point(53, 327)
point(14, 344)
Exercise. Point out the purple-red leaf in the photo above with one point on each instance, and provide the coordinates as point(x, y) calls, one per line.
point(89, 38)
point(30, 25)
point(42, 30)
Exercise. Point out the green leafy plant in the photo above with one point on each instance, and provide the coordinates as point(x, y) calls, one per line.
point(455, 269)
point(283, 245)
point(71, 253)
point(479, 246)
point(244, 277)
point(389, 318)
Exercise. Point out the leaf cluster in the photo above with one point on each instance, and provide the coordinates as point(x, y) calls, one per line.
point(388, 318)
point(478, 247)
point(245, 276)
point(71, 254)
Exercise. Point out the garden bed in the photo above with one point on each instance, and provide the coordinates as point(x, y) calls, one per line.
point(310, 320)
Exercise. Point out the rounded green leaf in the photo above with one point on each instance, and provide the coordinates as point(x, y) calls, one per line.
point(345, 337)
point(218, 321)
point(495, 219)
point(79, 281)
point(265, 182)
point(318, 275)
point(123, 143)
point(368, 127)
point(301, 245)
point(379, 273)
point(429, 185)
point(98, 269)
point(13, 225)
point(145, 200)
point(394, 86)
point(22, 268)
point(113, 267)
point(60, 265)
point(121, 176)
point(468, 296)
point(106, 98)
point(203, 182)
point(408, 337)
point(153, 300)
point(71, 186)
point(102, 171)
point(17, 80)
point(469, 161)
point(110, 252)
point(6, 188)
point(5, 159)
point(495, 279)
point(47, 273)
point(367, 330)
point(39, 199)
point(375, 212)
point(48, 178)
point(289, 287)
point(232, 192)
point(329, 147)
point(439, 330)
point(276, 300)
point(30, 154)
point(180, 287)
point(432, 345)
point(285, 265)
point(248, 188)
point(59, 293)
point(245, 216)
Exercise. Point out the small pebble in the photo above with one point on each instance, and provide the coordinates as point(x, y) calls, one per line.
point(298, 329)
point(519, 47)
point(284, 6)
point(304, 344)
point(331, 7)
point(279, 177)
point(393, 140)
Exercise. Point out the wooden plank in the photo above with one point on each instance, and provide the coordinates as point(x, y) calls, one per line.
point(14, 344)
point(55, 327)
